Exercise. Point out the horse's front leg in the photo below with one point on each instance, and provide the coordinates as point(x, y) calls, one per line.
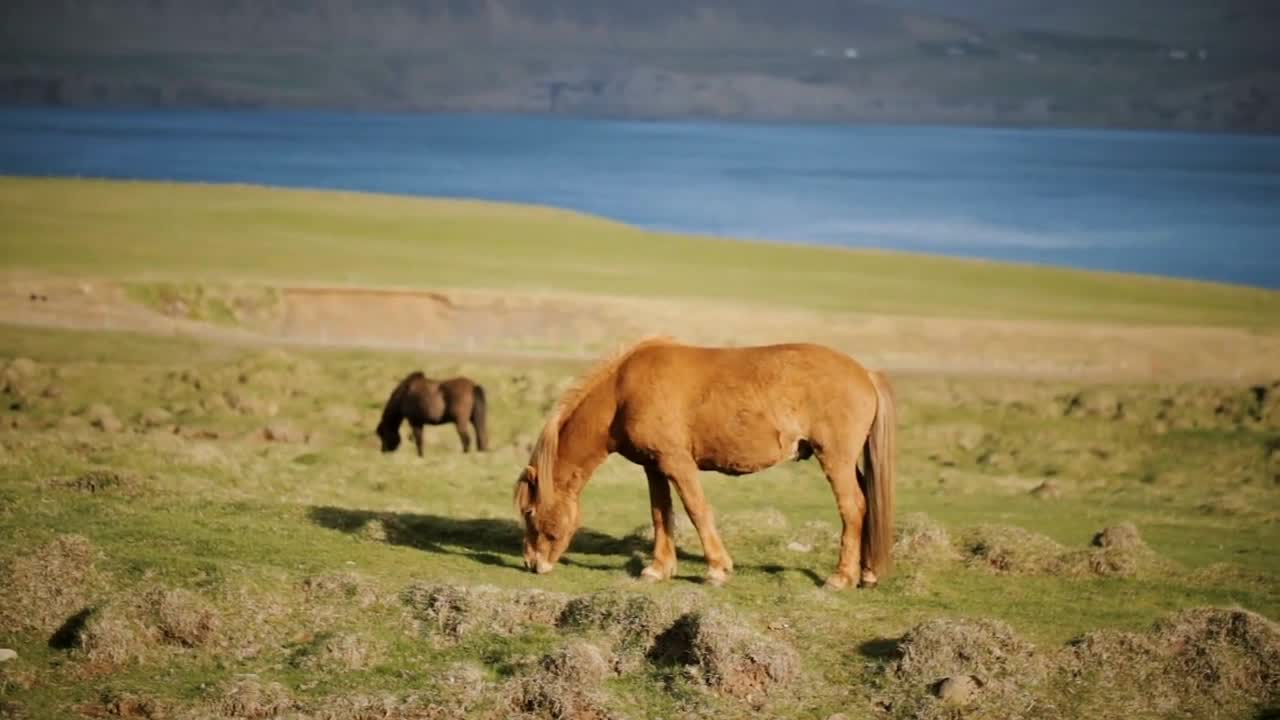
point(663, 566)
point(684, 475)
point(417, 436)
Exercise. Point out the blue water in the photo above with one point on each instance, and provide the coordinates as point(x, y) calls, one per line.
point(1197, 206)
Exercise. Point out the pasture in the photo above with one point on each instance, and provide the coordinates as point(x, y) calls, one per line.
point(195, 520)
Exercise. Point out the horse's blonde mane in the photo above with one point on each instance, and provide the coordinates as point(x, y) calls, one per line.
point(545, 450)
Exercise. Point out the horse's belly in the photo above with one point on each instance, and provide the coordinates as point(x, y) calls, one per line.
point(742, 448)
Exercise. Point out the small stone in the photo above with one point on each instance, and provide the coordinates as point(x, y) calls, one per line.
point(838, 716)
point(957, 690)
point(6, 655)
point(799, 547)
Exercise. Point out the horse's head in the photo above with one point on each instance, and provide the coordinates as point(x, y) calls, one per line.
point(550, 520)
point(390, 437)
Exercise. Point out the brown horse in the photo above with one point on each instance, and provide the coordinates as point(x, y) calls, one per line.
point(676, 409)
point(423, 401)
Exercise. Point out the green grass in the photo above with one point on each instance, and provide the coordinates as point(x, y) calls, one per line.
point(243, 523)
point(168, 233)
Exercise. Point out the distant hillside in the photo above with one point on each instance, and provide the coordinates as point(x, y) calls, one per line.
point(983, 61)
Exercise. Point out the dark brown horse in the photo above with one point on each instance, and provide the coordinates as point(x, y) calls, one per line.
point(423, 401)
point(675, 409)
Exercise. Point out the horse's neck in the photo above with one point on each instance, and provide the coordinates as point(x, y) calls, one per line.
point(583, 446)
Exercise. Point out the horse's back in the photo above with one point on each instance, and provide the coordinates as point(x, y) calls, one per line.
point(696, 369)
point(739, 409)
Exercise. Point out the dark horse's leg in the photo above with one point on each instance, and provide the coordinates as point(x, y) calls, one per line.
point(417, 436)
point(464, 434)
point(664, 529)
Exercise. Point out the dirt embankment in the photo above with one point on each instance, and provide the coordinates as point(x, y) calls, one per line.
point(566, 325)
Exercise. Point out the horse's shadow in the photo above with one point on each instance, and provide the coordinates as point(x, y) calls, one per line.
point(497, 542)
point(491, 541)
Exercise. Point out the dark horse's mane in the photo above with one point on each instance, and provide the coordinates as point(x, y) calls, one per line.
point(391, 413)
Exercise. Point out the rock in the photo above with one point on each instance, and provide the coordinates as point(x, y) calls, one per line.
point(6, 655)
point(957, 690)
point(799, 547)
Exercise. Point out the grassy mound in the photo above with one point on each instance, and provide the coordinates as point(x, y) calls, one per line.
point(720, 650)
point(980, 663)
point(1115, 551)
point(451, 612)
point(46, 586)
point(1205, 662)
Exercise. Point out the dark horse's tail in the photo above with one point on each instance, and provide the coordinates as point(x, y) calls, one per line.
point(478, 411)
point(877, 529)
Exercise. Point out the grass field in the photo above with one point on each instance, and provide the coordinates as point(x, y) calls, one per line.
point(191, 528)
point(149, 231)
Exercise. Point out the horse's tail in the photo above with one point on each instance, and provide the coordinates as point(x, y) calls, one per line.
point(881, 451)
point(479, 408)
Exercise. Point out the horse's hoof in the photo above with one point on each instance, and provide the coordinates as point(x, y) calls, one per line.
point(868, 585)
point(837, 582)
point(717, 577)
point(653, 575)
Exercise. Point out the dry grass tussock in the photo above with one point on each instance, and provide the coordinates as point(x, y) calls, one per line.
point(247, 697)
point(338, 652)
point(1205, 662)
point(1001, 667)
point(633, 620)
point(99, 481)
point(1115, 551)
point(47, 585)
point(711, 646)
point(450, 612)
point(720, 650)
point(918, 539)
point(564, 684)
point(134, 629)
point(348, 586)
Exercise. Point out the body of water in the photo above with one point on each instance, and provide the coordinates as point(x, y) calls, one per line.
point(1196, 206)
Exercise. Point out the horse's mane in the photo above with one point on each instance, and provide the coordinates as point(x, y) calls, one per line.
point(391, 411)
point(545, 450)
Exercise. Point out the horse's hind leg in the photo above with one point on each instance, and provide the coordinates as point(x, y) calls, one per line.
point(841, 469)
point(684, 475)
point(664, 542)
point(463, 434)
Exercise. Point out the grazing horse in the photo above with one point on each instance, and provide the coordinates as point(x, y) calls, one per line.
point(676, 409)
point(423, 401)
